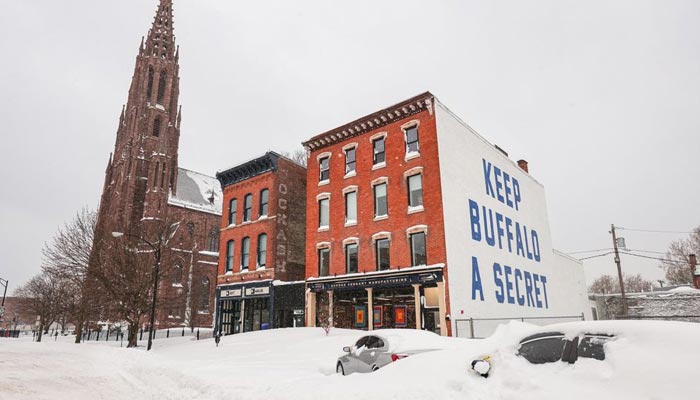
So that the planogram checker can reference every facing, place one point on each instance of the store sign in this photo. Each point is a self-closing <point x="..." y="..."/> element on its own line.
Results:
<point x="257" y="291"/>
<point x="385" y="281"/>
<point x="231" y="293"/>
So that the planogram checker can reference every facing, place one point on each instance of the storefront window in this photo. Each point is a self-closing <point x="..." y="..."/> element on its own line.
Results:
<point x="351" y="258"/>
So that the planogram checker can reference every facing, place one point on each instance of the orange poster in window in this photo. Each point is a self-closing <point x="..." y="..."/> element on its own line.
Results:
<point x="400" y="316"/>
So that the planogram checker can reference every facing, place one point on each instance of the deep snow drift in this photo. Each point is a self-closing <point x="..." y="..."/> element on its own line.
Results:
<point x="649" y="360"/>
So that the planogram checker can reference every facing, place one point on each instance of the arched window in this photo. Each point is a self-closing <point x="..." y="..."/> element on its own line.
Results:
<point x="262" y="250"/>
<point x="204" y="295"/>
<point x="177" y="275"/>
<point x="229" y="255"/>
<point x="245" y="253"/>
<point x="155" y="176"/>
<point x="156" y="126"/>
<point x="162" y="80"/>
<point x="214" y="239"/>
<point x="149" y="87"/>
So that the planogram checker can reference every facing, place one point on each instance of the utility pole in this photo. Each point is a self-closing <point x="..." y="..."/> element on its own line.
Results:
<point x="619" y="270"/>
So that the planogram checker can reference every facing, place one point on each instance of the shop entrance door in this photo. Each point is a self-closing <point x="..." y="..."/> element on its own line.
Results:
<point x="230" y="316"/>
<point x="432" y="320"/>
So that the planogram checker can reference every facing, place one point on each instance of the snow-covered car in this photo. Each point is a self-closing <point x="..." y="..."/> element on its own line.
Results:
<point x="382" y="347"/>
<point x="593" y="341"/>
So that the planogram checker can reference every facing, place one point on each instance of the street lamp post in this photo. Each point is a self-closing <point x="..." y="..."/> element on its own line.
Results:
<point x="3" y="282"/>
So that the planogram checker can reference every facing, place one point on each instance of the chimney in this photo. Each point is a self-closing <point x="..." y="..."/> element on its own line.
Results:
<point x="523" y="165"/>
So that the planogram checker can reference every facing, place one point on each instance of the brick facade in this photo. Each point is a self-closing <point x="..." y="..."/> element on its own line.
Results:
<point x="401" y="220"/>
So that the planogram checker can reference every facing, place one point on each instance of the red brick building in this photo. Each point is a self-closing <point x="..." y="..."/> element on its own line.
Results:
<point x="261" y="268"/>
<point x="144" y="183"/>
<point x="375" y="231"/>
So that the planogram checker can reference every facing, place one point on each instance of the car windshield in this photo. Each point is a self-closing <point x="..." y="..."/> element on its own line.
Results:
<point x="375" y="343"/>
<point x="542" y="348"/>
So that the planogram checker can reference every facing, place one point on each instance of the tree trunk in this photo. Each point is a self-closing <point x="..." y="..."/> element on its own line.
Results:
<point x="78" y="329"/>
<point x="133" y="334"/>
<point x="41" y="331"/>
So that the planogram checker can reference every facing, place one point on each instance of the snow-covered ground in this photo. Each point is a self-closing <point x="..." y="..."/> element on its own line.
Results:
<point x="649" y="360"/>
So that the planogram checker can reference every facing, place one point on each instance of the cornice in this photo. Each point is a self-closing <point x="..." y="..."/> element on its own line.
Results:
<point x="373" y="121"/>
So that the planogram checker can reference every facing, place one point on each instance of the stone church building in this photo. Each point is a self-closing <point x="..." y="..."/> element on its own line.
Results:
<point x="144" y="183"/>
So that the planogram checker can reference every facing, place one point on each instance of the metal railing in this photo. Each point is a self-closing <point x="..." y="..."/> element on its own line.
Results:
<point x="142" y="334"/>
<point x="476" y="328"/>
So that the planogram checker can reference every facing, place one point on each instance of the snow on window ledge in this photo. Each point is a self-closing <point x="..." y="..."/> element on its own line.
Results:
<point x="350" y="174"/>
<point x="416" y="209"/>
<point x="203" y="312"/>
<point x="411" y="155"/>
<point x="262" y="217"/>
<point x="178" y="285"/>
<point x="324" y="182"/>
<point x="351" y="222"/>
<point x="323" y="228"/>
<point x="381" y="217"/>
<point x="379" y="165"/>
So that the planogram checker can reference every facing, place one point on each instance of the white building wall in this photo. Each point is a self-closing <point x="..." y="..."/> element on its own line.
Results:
<point x="488" y="279"/>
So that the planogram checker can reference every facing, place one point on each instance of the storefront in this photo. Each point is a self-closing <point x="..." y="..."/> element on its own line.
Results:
<point x="260" y="305"/>
<point x="412" y="298"/>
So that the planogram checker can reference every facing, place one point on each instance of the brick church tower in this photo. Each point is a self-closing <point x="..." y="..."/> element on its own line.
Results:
<point x="143" y="182"/>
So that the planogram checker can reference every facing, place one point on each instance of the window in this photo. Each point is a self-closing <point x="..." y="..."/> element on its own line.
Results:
<point x="323" y="213"/>
<point x="415" y="191"/>
<point x="213" y="241"/>
<point x="245" y="253"/>
<point x="190" y="228"/>
<point x="412" y="140"/>
<point x="264" y="198"/>
<point x="325" y="168"/>
<point x="350" y="162"/>
<point x="177" y="275"/>
<point x="350" y="207"/>
<point x="162" y="80"/>
<point x="156" y="126"/>
<point x="543" y="349"/>
<point x="324" y="261"/>
<point x="155" y="176"/>
<point x="379" y="155"/>
<point x="232" y="209"/>
<point x="247" y="207"/>
<point x="592" y="347"/>
<point x="374" y="343"/>
<point x="149" y="88"/>
<point x="380" y="201"/>
<point x="418" y="253"/>
<point x="351" y="258"/>
<point x="262" y="250"/>
<point x="382" y="247"/>
<point x="204" y="295"/>
<point x="229" y="256"/>
<point x="162" y="176"/>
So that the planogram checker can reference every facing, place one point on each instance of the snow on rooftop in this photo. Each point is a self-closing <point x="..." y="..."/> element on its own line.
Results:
<point x="195" y="190"/>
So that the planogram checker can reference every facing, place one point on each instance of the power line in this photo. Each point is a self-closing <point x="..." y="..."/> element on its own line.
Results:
<point x="589" y="251"/>
<point x="598" y="255"/>
<point x="656" y="258"/>
<point x="648" y="251"/>
<point x="651" y="230"/>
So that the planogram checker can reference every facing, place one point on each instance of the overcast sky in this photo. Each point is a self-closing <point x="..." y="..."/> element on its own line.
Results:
<point x="601" y="97"/>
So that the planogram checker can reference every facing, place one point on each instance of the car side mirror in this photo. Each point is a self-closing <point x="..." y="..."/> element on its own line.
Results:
<point x="482" y="367"/>
<point x="346" y="349"/>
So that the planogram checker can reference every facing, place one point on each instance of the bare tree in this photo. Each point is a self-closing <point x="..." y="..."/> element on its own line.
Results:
<point x="127" y="267"/>
<point x="46" y="296"/>
<point x="299" y="156"/>
<point x="676" y="263"/>
<point x="67" y="256"/>
<point x="608" y="284"/>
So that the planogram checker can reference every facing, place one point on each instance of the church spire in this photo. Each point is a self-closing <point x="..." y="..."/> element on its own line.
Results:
<point x="161" y="40"/>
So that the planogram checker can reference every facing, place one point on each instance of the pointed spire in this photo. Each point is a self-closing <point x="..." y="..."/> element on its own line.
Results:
<point x="122" y="117"/>
<point x="161" y="40"/>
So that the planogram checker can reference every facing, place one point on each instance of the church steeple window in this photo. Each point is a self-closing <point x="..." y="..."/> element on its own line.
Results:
<point x="161" y="87"/>
<point x="156" y="126"/>
<point x="149" y="89"/>
<point x="155" y="176"/>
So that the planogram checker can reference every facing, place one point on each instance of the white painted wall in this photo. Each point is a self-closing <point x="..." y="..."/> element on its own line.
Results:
<point x="462" y="156"/>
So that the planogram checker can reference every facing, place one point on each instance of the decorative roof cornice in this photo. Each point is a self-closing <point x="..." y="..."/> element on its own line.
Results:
<point x="373" y="121"/>
<point x="248" y="169"/>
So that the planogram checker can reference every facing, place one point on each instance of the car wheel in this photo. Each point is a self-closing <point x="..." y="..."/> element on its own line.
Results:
<point x="374" y="368"/>
<point x="339" y="369"/>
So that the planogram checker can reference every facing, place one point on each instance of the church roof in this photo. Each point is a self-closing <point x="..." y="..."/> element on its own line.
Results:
<point x="197" y="192"/>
